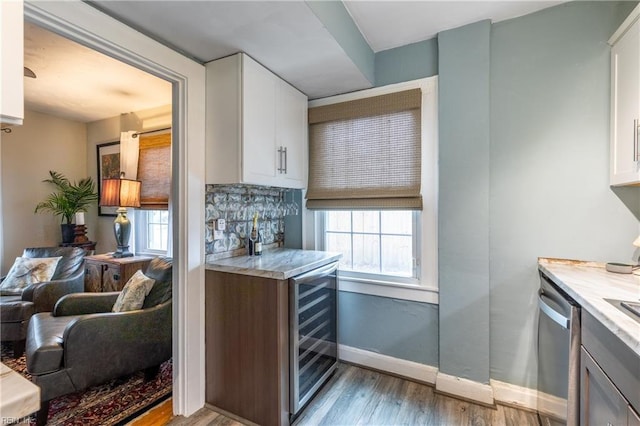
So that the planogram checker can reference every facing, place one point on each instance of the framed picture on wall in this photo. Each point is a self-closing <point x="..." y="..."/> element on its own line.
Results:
<point x="108" y="155"/>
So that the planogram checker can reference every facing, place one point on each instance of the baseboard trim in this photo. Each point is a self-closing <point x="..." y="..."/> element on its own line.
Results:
<point x="495" y="392"/>
<point x="550" y="405"/>
<point x="514" y="396"/>
<point x="465" y="389"/>
<point x="411" y="370"/>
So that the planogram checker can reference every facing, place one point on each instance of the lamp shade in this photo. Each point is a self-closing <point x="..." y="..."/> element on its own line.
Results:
<point x="637" y="242"/>
<point x="120" y="193"/>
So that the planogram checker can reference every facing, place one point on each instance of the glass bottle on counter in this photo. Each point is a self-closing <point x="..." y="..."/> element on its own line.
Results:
<point x="257" y="247"/>
<point x="253" y="237"/>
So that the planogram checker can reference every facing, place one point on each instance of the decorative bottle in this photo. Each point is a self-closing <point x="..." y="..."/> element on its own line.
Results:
<point x="257" y="250"/>
<point x="253" y="237"/>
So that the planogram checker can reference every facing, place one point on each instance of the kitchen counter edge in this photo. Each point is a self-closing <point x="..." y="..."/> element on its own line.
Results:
<point x="278" y="263"/>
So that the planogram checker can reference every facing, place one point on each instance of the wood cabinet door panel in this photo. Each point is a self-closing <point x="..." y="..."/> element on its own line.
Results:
<point x="247" y="346"/>
<point x="111" y="278"/>
<point x="92" y="277"/>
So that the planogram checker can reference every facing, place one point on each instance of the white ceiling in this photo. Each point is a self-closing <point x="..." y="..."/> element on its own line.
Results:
<point x="389" y="24"/>
<point x="80" y="84"/>
<point x="285" y="36"/>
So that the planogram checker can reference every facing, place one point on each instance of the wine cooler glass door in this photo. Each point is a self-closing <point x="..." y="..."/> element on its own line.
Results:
<point x="313" y="332"/>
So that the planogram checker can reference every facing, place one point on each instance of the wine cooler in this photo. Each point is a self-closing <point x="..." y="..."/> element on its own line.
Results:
<point x="313" y="322"/>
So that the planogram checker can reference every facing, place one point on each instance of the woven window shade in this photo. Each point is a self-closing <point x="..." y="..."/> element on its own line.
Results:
<point x="154" y="170"/>
<point x="365" y="154"/>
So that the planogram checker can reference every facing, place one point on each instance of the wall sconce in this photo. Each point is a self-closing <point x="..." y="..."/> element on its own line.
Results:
<point x="121" y="193"/>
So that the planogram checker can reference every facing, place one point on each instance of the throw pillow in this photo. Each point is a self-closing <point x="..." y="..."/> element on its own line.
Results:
<point x="29" y="270"/>
<point x="133" y="293"/>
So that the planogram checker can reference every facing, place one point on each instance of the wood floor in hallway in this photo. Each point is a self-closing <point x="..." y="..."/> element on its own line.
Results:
<point x="358" y="396"/>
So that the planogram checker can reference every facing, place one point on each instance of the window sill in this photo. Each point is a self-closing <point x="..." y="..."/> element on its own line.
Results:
<point x="416" y="293"/>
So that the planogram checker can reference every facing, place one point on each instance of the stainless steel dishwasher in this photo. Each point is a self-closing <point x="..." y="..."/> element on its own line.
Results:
<point x="558" y="356"/>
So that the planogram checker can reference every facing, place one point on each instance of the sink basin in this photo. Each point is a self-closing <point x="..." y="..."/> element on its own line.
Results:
<point x="634" y="307"/>
<point x="630" y="308"/>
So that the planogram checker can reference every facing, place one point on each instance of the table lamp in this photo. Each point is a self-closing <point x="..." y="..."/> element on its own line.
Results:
<point x="121" y="193"/>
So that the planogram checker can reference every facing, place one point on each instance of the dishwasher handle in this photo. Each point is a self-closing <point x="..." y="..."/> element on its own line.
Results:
<point x="554" y="315"/>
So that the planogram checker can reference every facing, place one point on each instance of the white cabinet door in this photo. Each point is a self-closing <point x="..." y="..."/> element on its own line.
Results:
<point x="11" y="52"/>
<point x="258" y="124"/>
<point x="291" y="125"/>
<point x="252" y="116"/>
<point x="625" y="108"/>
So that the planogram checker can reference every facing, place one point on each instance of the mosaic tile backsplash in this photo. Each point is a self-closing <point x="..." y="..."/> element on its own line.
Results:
<point x="237" y="205"/>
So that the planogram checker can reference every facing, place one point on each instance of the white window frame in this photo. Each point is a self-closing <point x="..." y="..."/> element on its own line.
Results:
<point x="425" y="288"/>
<point x="371" y="276"/>
<point x="140" y="226"/>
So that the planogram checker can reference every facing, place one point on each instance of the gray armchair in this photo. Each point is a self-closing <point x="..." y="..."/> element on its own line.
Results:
<point x="17" y="308"/>
<point x="82" y="343"/>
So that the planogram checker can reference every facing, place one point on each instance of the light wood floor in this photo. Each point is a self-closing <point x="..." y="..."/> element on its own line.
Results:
<point x="357" y="396"/>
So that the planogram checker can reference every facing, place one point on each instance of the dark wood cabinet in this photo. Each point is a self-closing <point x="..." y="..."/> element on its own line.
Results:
<point x="247" y="346"/>
<point x="104" y="273"/>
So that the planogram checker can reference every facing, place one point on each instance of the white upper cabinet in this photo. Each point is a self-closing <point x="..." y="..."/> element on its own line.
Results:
<point x="625" y="102"/>
<point x="256" y="130"/>
<point x="12" y="54"/>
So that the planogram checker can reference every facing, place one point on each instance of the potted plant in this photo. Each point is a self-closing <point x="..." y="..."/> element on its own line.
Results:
<point x="68" y="199"/>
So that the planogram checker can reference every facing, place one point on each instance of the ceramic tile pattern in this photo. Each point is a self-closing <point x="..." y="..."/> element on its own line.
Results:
<point x="237" y="205"/>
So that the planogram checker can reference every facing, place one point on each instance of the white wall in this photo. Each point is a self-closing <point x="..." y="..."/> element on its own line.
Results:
<point x="42" y="143"/>
<point x="108" y="130"/>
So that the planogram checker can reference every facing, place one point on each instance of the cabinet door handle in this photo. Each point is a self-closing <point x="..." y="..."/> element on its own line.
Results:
<point x="279" y="159"/>
<point x="281" y="162"/>
<point x="285" y="160"/>
<point x="635" y="140"/>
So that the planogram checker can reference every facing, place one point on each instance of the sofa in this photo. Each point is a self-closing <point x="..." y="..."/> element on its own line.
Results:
<point x="18" y="305"/>
<point x="83" y="343"/>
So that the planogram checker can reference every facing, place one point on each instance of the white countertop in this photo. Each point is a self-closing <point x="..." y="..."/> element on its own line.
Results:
<point x="589" y="283"/>
<point x="277" y="263"/>
<point x="18" y="396"/>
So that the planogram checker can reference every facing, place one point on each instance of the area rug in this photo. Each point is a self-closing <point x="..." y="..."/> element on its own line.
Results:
<point x="115" y="402"/>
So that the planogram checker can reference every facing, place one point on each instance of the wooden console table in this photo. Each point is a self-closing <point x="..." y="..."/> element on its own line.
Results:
<point x="103" y="272"/>
<point x="18" y="396"/>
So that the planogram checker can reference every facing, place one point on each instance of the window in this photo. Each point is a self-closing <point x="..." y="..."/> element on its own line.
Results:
<point x="152" y="231"/>
<point x="154" y="171"/>
<point x="374" y="242"/>
<point x="388" y="237"/>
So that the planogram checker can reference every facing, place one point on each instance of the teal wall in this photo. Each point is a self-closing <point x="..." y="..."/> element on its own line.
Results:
<point x="397" y="328"/>
<point x="410" y="62"/>
<point x="550" y="192"/>
<point x="463" y="205"/>
<point x="523" y="173"/>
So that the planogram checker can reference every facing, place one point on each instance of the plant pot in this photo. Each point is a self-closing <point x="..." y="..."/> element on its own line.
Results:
<point x="68" y="232"/>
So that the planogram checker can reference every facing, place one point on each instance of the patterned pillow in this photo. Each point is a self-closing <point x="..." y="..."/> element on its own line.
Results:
<point x="29" y="270"/>
<point x="133" y="293"/>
